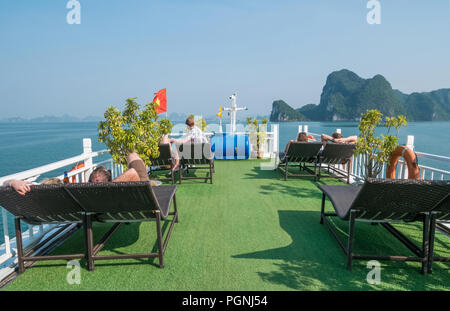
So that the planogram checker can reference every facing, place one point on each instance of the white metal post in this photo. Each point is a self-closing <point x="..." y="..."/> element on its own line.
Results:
<point x="275" y="138"/>
<point x="410" y="145"/>
<point x="410" y="142"/>
<point x="300" y="128"/>
<point x="305" y="129"/>
<point x="6" y="233"/>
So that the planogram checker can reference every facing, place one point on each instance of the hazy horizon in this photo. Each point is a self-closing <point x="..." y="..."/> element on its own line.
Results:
<point x="204" y="51"/>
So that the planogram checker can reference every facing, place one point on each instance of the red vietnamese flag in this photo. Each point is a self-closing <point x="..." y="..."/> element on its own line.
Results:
<point x="160" y="101"/>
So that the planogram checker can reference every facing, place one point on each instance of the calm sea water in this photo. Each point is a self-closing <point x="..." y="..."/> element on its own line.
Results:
<point x="26" y="146"/>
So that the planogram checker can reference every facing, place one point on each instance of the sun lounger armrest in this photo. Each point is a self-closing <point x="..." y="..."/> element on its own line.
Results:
<point x="164" y="195"/>
<point x="341" y="197"/>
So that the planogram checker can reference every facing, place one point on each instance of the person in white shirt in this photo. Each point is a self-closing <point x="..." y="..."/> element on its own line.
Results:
<point x="194" y="135"/>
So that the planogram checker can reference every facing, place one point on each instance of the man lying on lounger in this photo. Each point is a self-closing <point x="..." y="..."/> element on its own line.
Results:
<point x="137" y="171"/>
<point x="338" y="138"/>
<point x="302" y="137"/>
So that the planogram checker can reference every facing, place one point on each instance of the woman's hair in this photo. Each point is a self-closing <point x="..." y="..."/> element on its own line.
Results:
<point x="51" y="181"/>
<point x="190" y="122"/>
<point x="101" y="172"/>
<point x="337" y="135"/>
<point x="302" y="137"/>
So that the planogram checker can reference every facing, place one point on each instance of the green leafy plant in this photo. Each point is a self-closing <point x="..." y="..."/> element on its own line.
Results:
<point x="132" y="130"/>
<point x="258" y="133"/>
<point x="377" y="150"/>
<point x="165" y="126"/>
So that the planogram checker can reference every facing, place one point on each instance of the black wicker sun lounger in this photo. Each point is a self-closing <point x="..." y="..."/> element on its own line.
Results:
<point x="196" y="156"/>
<point x="165" y="161"/>
<point x="298" y="154"/>
<point x="385" y="201"/>
<point x="89" y="202"/>
<point x="334" y="153"/>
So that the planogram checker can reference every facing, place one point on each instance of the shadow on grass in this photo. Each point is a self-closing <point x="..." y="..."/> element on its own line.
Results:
<point x="276" y="174"/>
<point x="125" y="236"/>
<point x="315" y="261"/>
<point x="310" y="192"/>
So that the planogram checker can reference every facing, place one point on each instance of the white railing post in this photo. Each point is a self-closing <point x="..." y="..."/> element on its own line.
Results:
<point x="305" y="129"/>
<point x="275" y="138"/>
<point x="300" y="128"/>
<point x="6" y="233"/>
<point x="410" y="142"/>
<point x="410" y="145"/>
<point x="87" y="148"/>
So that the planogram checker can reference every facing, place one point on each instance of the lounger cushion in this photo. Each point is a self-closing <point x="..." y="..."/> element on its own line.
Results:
<point x="341" y="197"/>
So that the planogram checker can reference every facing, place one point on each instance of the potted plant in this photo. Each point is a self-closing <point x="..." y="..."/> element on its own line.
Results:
<point x="377" y="149"/>
<point x="258" y="134"/>
<point x="133" y="130"/>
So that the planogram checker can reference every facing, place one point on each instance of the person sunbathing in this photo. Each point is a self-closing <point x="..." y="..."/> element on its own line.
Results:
<point x="167" y="140"/>
<point x="338" y="138"/>
<point x="137" y="171"/>
<point x="302" y="137"/>
<point x="22" y="186"/>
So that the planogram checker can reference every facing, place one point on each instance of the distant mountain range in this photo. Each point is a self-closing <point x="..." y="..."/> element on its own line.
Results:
<point x="346" y="96"/>
<point x="175" y="117"/>
<point x="51" y="119"/>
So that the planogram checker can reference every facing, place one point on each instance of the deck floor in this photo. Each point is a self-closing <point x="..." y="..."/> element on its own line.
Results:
<point x="250" y="230"/>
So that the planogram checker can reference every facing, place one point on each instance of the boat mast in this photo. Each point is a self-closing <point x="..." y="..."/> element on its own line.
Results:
<point x="234" y="108"/>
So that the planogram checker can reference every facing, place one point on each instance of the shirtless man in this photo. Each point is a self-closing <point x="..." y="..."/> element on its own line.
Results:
<point x="338" y="138"/>
<point x="137" y="171"/>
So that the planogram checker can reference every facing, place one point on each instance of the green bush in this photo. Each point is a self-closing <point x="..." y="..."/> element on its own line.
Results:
<point x="132" y="130"/>
<point x="377" y="149"/>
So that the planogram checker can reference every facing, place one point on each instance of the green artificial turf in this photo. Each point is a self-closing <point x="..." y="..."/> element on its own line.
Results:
<point x="250" y="230"/>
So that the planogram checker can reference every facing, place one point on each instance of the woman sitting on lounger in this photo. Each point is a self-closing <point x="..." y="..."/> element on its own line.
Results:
<point x="302" y="137"/>
<point x="338" y="138"/>
<point x="167" y="140"/>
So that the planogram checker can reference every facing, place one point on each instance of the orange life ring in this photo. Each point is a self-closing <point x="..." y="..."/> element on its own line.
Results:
<point x="310" y="137"/>
<point x="76" y="167"/>
<point x="410" y="159"/>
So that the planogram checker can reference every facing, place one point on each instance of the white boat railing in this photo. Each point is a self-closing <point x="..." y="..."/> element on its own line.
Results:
<point x="35" y="234"/>
<point x="358" y="163"/>
<point x="269" y="147"/>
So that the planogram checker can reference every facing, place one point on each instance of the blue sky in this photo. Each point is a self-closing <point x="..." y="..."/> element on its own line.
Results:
<point x="202" y="51"/>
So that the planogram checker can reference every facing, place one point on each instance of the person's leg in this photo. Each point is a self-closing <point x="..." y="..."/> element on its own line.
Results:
<point x="136" y="163"/>
<point x="129" y="175"/>
<point x="175" y="157"/>
<point x="132" y="157"/>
